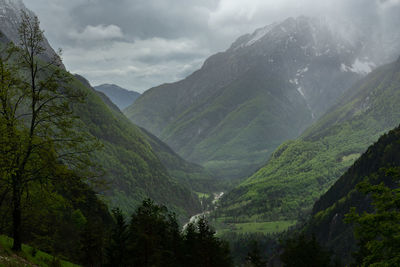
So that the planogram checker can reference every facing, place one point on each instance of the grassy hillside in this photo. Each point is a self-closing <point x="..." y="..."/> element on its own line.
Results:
<point x="299" y="171"/>
<point x="28" y="257"/>
<point x="328" y="212"/>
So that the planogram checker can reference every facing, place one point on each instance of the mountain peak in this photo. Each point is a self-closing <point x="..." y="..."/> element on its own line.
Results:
<point x="14" y="4"/>
<point x="118" y="95"/>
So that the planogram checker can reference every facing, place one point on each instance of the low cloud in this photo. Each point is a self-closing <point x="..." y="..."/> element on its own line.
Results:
<point x="97" y="33"/>
<point x="144" y="43"/>
<point x="137" y="65"/>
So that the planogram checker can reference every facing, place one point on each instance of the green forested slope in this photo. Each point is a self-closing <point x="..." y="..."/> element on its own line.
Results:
<point x="191" y="175"/>
<point x="133" y="170"/>
<point x="299" y="171"/>
<point x="328" y="212"/>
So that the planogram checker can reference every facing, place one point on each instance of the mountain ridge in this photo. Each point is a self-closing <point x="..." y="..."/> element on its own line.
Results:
<point x="118" y="95"/>
<point x="10" y="18"/>
<point x="289" y="75"/>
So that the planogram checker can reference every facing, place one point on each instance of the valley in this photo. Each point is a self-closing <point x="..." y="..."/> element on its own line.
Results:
<point x="281" y="150"/>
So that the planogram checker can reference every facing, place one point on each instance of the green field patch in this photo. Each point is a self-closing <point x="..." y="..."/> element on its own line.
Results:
<point x="256" y="227"/>
<point x="202" y="195"/>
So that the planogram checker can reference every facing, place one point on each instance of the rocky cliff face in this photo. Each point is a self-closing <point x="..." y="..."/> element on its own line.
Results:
<point x="10" y="19"/>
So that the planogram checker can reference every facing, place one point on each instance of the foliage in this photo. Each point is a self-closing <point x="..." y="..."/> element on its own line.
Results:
<point x="153" y="238"/>
<point x="38" y="129"/>
<point x="116" y="250"/>
<point x="254" y="258"/>
<point x="92" y="244"/>
<point x="329" y="211"/>
<point x="243" y="245"/>
<point x="378" y="232"/>
<point x="225" y="225"/>
<point x="302" y="251"/>
<point x="28" y="256"/>
<point x="55" y="218"/>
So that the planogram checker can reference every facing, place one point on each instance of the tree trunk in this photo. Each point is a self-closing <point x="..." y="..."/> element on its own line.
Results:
<point x="16" y="199"/>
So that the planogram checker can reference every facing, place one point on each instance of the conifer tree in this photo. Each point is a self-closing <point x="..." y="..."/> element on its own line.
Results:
<point x="253" y="257"/>
<point x="116" y="251"/>
<point x="378" y="232"/>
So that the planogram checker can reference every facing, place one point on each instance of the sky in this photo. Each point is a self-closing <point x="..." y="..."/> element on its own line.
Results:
<point x="139" y="44"/>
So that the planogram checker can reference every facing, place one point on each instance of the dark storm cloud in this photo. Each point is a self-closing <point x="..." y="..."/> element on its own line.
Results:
<point x="142" y="43"/>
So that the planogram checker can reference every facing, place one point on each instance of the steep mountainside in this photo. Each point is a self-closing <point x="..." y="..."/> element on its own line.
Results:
<point x="10" y="19"/>
<point x="328" y="212"/>
<point x="300" y="171"/>
<point x="119" y="96"/>
<point x="132" y="166"/>
<point x="266" y="88"/>
<point x="193" y="176"/>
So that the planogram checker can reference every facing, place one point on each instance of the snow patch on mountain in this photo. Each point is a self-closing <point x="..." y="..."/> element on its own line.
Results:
<point x="294" y="81"/>
<point x="300" y="90"/>
<point x="362" y="67"/>
<point x="300" y="72"/>
<point x="359" y="66"/>
<point x="259" y="34"/>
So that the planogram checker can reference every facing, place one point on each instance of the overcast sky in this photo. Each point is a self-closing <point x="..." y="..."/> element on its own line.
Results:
<point x="138" y="44"/>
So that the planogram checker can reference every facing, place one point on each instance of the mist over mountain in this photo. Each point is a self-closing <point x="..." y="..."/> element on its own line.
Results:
<point x="266" y="88"/>
<point x="300" y="170"/>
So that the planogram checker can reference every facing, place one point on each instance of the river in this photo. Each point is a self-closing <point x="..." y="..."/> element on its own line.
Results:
<point x="195" y="218"/>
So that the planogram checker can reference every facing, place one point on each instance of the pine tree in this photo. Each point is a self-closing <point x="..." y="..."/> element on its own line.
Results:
<point x="116" y="251"/>
<point x="92" y="244"/>
<point x="378" y="232"/>
<point x="253" y="257"/>
<point x="302" y="251"/>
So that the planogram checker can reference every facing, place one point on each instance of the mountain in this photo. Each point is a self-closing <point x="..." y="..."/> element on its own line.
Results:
<point x="230" y="115"/>
<point x="193" y="176"/>
<point x="133" y="170"/>
<point x="10" y="19"/>
<point x="299" y="171"/>
<point x="328" y="212"/>
<point x="119" y="96"/>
